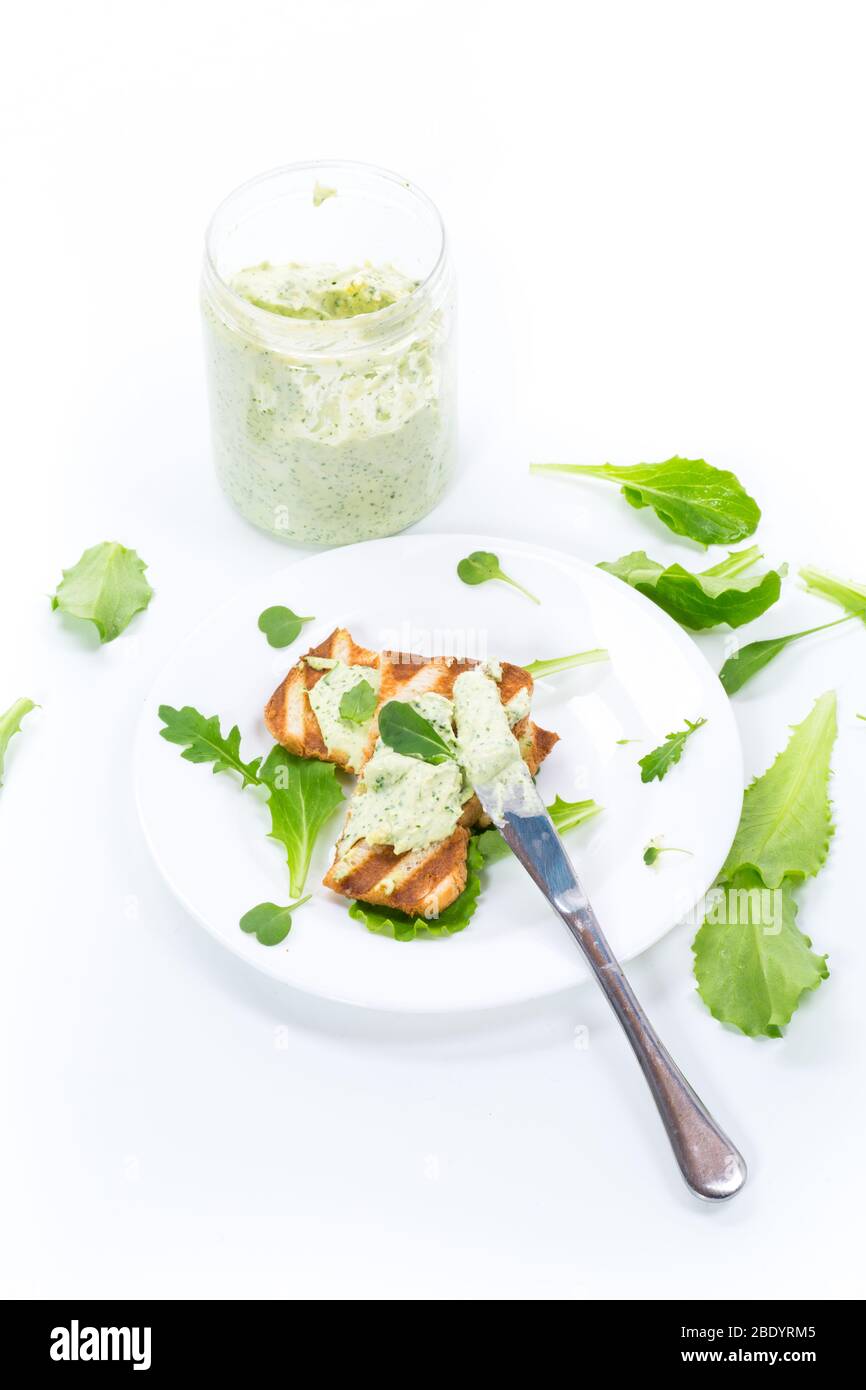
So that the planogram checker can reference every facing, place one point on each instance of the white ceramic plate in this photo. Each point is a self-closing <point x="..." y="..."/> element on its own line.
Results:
<point x="210" y="839"/>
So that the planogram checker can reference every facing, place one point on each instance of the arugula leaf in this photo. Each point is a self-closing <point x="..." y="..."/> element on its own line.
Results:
<point x="270" y="923"/>
<point x="750" y="972"/>
<point x="850" y="596"/>
<point x="408" y="732"/>
<point x="690" y="496"/>
<point x="786" y="825"/>
<point x="301" y="793"/>
<point x="482" y="565"/>
<point x="717" y="595"/>
<point x="652" y="852"/>
<point x="302" y="796"/>
<point x="662" y="759"/>
<point x="107" y="588"/>
<point x="564" y="814"/>
<point x="203" y="741"/>
<point x="280" y="625"/>
<point x="358" y="704"/>
<point x="386" y="921"/>
<point x="10" y="723"/>
<point x="751" y="659"/>
<point x="565" y="663"/>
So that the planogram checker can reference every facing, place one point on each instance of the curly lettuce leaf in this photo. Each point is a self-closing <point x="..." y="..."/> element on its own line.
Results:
<point x="786" y="824"/>
<point x="721" y="594"/>
<point x="386" y="921"/>
<point x="752" y="963"/>
<point x="690" y="496"/>
<point x="10" y="723"/>
<point x="107" y="588"/>
<point x="303" y="794"/>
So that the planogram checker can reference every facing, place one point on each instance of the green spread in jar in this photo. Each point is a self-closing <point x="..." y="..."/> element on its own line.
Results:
<point x="335" y="422"/>
<point x="321" y="292"/>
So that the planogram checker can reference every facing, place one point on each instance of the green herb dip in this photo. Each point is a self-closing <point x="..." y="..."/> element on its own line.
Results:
<point x="338" y="734"/>
<point x="411" y="804"/>
<point x="332" y="398"/>
<point x="487" y="748"/>
<point x="405" y="802"/>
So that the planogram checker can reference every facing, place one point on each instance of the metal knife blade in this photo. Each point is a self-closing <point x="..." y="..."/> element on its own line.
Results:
<point x="712" y="1166"/>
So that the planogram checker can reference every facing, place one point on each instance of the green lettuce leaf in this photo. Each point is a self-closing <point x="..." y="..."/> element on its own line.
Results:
<point x="786" y="825"/>
<point x="358" y="703"/>
<point x="409" y="733"/>
<point x="386" y="921"/>
<point x="107" y="588"/>
<point x="850" y="596"/>
<point x="754" y="966"/>
<point x="690" y="496"/>
<point x="303" y="794"/>
<point x="721" y="594"/>
<point x="10" y="723"/>
<point x="749" y="660"/>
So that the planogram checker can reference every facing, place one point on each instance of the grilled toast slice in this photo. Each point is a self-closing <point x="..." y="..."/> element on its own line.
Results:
<point x="289" y="715"/>
<point x="424" y="882"/>
<point x="420" y="882"/>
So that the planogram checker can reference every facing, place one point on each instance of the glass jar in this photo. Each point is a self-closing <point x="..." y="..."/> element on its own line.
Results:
<point x="328" y="300"/>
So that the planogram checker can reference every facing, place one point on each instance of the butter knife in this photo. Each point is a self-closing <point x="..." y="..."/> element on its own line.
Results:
<point x="712" y="1167"/>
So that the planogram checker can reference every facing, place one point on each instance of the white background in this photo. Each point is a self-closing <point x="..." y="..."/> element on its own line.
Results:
<point x="656" y="213"/>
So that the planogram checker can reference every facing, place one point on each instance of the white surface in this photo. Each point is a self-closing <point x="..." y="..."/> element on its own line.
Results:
<point x="657" y="218"/>
<point x="211" y="846"/>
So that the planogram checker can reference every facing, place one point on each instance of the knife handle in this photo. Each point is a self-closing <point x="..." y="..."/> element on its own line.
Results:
<point x="711" y="1165"/>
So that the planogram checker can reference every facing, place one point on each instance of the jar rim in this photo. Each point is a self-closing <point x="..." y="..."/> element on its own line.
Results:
<point x="317" y="334"/>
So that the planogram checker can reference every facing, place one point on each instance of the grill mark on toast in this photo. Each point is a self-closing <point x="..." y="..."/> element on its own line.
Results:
<point x="414" y="882"/>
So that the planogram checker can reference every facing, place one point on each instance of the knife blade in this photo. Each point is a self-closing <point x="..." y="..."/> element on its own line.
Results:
<point x="711" y="1165"/>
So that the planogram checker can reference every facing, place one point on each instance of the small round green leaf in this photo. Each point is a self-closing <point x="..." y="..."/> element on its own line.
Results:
<point x="478" y="567"/>
<point x="280" y="625"/>
<point x="269" y="923"/>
